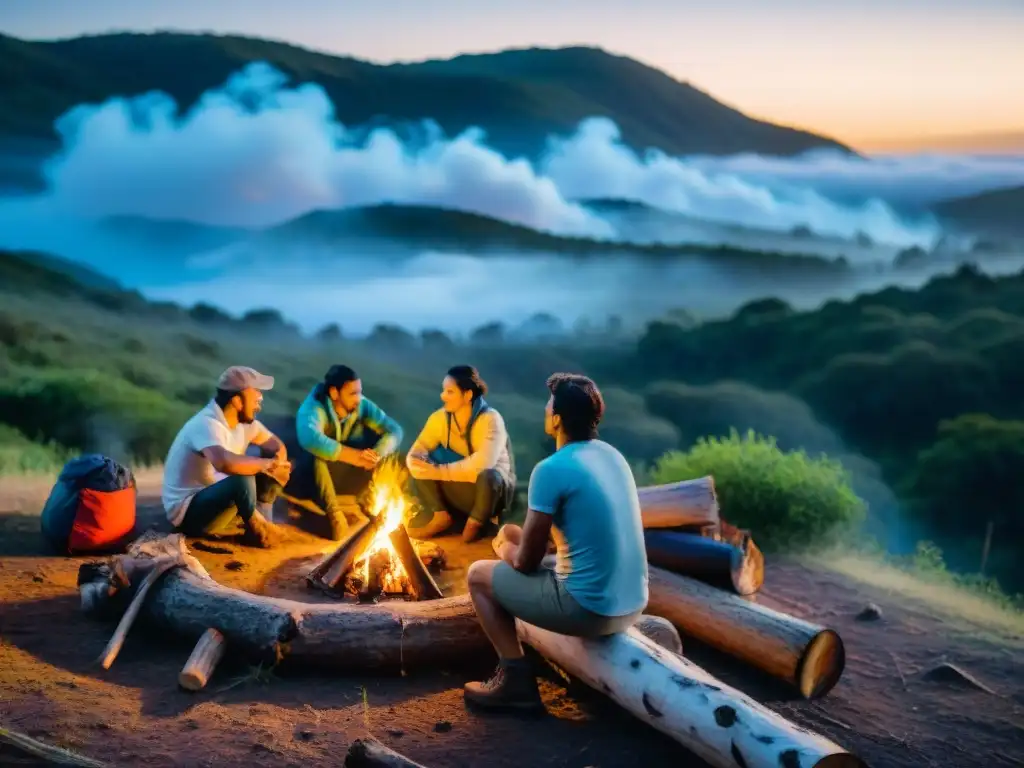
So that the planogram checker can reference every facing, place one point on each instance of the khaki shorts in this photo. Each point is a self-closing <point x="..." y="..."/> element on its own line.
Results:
<point x="540" y="599"/>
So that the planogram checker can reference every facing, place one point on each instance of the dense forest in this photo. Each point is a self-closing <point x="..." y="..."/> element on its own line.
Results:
<point x="912" y="395"/>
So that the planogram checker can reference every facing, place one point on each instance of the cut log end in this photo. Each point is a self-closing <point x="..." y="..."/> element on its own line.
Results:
<point x="660" y="631"/>
<point x="204" y="659"/>
<point x="822" y="665"/>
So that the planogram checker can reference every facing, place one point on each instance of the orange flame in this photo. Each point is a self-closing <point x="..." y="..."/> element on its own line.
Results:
<point x="391" y="507"/>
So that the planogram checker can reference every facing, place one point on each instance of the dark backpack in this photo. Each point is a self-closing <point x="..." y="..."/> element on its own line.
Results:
<point x="91" y="507"/>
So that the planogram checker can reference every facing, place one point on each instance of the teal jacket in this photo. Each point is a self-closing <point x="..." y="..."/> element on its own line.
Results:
<point x="322" y="433"/>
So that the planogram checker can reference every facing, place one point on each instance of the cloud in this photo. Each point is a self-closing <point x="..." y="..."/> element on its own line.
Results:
<point x="257" y="153"/>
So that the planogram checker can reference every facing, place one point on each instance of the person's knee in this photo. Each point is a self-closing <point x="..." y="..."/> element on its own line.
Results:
<point x="492" y="478"/>
<point x="480" y="576"/>
<point x="244" y="486"/>
<point x="510" y="532"/>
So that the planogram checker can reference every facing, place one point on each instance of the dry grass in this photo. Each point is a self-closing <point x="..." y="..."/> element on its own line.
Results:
<point x="27" y="492"/>
<point x="937" y="590"/>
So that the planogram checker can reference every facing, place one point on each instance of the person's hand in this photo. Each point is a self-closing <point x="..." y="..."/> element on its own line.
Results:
<point x="419" y="467"/>
<point x="280" y="470"/>
<point x="369" y="458"/>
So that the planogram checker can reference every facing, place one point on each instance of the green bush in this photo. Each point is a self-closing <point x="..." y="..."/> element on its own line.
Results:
<point x="787" y="499"/>
<point x="91" y="411"/>
<point x="19" y="455"/>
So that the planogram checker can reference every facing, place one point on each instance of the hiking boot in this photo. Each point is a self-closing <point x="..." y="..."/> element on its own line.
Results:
<point x="439" y="523"/>
<point x="474" y="530"/>
<point x="260" y="533"/>
<point x="512" y="686"/>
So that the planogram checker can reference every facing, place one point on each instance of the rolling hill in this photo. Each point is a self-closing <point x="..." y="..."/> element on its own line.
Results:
<point x="998" y="212"/>
<point x="519" y="97"/>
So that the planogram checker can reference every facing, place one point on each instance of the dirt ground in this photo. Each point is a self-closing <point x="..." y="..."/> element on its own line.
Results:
<point x="885" y="708"/>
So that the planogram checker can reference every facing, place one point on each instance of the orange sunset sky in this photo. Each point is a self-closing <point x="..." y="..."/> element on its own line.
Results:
<point x="877" y="74"/>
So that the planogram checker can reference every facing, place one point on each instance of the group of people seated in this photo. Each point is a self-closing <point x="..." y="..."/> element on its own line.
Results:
<point x="461" y="463"/>
<point x="583" y="498"/>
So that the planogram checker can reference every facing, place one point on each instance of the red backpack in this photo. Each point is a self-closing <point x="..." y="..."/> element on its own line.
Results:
<point x="91" y="507"/>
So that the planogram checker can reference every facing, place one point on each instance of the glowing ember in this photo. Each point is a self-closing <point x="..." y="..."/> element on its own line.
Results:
<point x="390" y="507"/>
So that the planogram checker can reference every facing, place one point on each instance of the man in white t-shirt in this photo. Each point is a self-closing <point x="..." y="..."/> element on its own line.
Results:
<point x="209" y="481"/>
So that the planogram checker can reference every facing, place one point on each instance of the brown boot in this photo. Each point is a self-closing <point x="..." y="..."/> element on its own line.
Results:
<point x="512" y="686"/>
<point x="439" y="523"/>
<point x="353" y="511"/>
<point x="474" y="530"/>
<point x="260" y="533"/>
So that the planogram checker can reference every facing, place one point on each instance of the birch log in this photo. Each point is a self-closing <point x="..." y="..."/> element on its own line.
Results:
<point x="809" y="657"/>
<point x="718" y="723"/>
<point x="686" y="504"/>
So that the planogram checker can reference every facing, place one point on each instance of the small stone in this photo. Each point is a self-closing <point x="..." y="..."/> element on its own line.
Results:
<point x="442" y="726"/>
<point x="235" y="565"/>
<point x="870" y="612"/>
<point x="305" y="734"/>
<point x="954" y="675"/>
<point x="38" y="578"/>
<point x="192" y="724"/>
<point x="396" y="732"/>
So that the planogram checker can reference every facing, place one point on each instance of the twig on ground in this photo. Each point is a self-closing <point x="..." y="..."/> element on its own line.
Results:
<point x="898" y="670"/>
<point x="55" y="755"/>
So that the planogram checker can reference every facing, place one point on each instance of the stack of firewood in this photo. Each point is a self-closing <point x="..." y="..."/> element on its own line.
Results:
<point x="705" y="574"/>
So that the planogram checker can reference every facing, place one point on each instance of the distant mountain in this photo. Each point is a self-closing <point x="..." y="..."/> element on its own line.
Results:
<point x="519" y="97"/>
<point x="996" y="212"/>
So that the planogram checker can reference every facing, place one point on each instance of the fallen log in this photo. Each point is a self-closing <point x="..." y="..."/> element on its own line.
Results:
<point x="807" y="656"/>
<point x="393" y="634"/>
<point x="204" y="659"/>
<point x="717" y="563"/>
<point x="714" y="721"/>
<point x="686" y="504"/>
<point x="116" y="641"/>
<point x="370" y="753"/>
<point x="421" y="583"/>
<point x="661" y="632"/>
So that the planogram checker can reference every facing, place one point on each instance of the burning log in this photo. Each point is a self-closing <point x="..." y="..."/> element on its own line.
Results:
<point x="807" y="656"/>
<point x="370" y="753"/>
<point x="421" y="584"/>
<point x="204" y="659"/>
<point x="330" y="572"/>
<point x="718" y="563"/>
<point x="686" y="504"/>
<point x="718" y="723"/>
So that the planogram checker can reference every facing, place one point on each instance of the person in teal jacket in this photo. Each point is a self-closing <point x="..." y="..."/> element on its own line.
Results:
<point x="342" y="436"/>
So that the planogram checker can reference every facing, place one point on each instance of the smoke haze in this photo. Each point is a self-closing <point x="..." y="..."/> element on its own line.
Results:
<point x="259" y="151"/>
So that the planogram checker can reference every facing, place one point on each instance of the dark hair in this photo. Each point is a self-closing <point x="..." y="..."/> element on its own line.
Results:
<point x="224" y="396"/>
<point x="338" y="376"/>
<point x="467" y="378"/>
<point x="578" y="402"/>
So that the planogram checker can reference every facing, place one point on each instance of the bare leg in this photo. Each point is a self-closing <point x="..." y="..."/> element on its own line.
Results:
<point x="499" y="625"/>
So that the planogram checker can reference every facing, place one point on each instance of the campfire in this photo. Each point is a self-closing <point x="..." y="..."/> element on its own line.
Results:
<point x="378" y="559"/>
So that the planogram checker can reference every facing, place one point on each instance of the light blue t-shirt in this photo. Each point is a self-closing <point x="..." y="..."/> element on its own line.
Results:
<point x="589" y="489"/>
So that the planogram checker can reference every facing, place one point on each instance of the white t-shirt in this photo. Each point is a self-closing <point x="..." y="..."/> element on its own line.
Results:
<point x="187" y="471"/>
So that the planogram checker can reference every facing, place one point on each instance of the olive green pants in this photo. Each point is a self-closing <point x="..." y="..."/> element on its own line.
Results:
<point x="540" y="599"/>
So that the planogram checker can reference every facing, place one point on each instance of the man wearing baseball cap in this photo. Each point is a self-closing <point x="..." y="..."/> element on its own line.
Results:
<point x="209" y="481"/>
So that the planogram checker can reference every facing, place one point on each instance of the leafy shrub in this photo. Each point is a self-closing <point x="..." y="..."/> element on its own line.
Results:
<point x="19" y="455"/>
<point x="91" y="411"/>
<point x="787" y="500"/>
